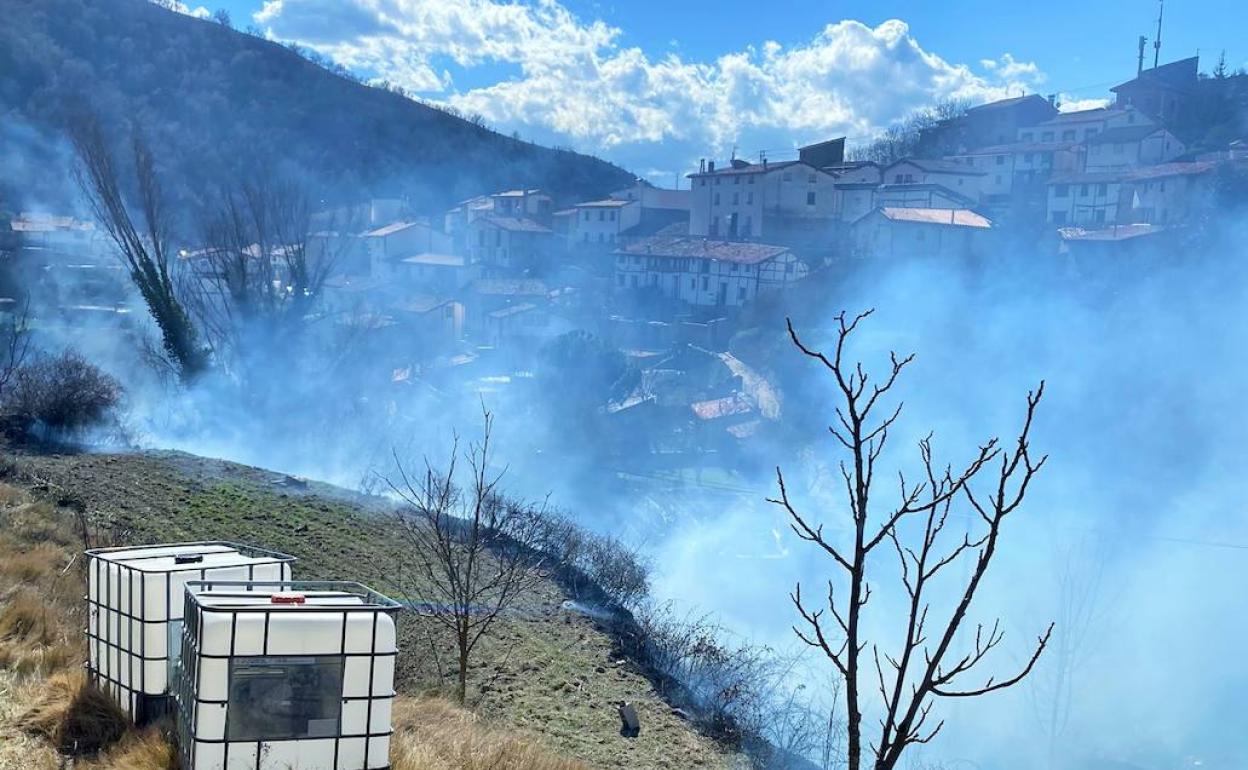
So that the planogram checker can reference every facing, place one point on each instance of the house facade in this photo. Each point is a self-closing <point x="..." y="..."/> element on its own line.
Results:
<point x="705" y="273"/>
<point x="760" y="200"/>
<point x="913" y="233"/>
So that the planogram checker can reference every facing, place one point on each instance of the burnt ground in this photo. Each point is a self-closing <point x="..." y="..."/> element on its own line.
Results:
<point x="546" y="672"/>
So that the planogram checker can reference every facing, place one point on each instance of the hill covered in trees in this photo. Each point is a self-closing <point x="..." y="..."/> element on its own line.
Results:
<point x="211" y="100"/>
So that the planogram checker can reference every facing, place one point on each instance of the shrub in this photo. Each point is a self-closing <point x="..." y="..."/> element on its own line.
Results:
<point x="65" y="394"/>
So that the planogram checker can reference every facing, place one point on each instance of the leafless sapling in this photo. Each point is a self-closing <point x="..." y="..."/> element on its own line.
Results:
<point x="471" y="549"/>
<point x="15" y="345"/>
<point x="903" y="684"/>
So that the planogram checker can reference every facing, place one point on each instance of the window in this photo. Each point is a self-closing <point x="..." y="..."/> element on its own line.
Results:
<point x="1061" y="191"/>
<point x="736" y="198"/>
<point x="736" y="179"/>
<point x="612" y="216"/>
<point x="749" y="198"/>
<point x="602" y="216"/>
<point x="284" y="698"/>
<point x="897" y="179"/>
<point x="751" y="179"/>
<point x="1026" y="136"/>
<point x="1027" y="158"/>
<point x="1000" y="160"/>
<point x="704" y="181"/>
<point x="812" y="178"/>
<point x="602" y="237"/>
<point x="810" y="198"/>
<point x="749" y="228"/>
<point x="1083" y="191"/>
<point x="1099" y="215"/>
<point x="1161" y="186"/>
<point x="718" y="180"/>
<point x="587" y="215"/>
<point x="1059" y="217"/>
<point x="1117" y="148"/>
<point x="619" y="279"/>
<point x="1046" y="136"/>
<point x="1068" y="135"/>
<point x="741" y="294"/>
<point x="998" y="179"/>
<point x="1102" y="189"/>
<point x="788" y="177"/>
<point x="716" y="199"/>
<point x="706" y="283"/>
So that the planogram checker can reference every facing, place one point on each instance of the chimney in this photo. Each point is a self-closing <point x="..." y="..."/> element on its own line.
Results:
<point x="1139" y="65"/>
<point x="710" y="167"/>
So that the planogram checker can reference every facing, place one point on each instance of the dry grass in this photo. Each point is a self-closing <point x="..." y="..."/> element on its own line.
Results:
<point x="147" y="749"/>
<point x="432" y="734"/>
<point x="76" y="717"/>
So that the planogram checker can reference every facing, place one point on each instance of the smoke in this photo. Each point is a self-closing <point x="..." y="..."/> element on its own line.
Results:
<point x="1134" y="538"/>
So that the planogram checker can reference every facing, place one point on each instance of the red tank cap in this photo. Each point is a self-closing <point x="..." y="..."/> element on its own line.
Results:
<point x="288" y="598"/>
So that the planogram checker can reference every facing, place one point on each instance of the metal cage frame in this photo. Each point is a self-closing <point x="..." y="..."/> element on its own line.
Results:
<point x="143" y="706"/>
<point x="187" y="687"/>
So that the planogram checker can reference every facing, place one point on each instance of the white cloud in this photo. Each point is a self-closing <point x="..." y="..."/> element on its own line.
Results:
<point x="199" y="12"/>
<point x="1068" y="103"/>
<point x="568" y="80"/>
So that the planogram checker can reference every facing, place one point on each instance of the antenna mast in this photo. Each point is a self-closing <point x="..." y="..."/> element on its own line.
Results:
<point x="1161" y="10"/>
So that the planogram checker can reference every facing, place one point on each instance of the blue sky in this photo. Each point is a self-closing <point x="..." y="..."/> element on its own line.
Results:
<point x="656" y="85"/>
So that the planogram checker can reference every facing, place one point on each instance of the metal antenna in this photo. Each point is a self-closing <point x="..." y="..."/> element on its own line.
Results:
<point x="1161" y="11"/>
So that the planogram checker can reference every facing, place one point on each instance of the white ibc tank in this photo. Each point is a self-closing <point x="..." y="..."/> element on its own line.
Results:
<point x="296" y="674"/>
<point x="135" y="604"/>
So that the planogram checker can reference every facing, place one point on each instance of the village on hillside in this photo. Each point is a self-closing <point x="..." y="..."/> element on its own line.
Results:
<point x="664" y="276"/>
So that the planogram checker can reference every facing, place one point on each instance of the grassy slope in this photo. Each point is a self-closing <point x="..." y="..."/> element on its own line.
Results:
<point x="551" y="674"/>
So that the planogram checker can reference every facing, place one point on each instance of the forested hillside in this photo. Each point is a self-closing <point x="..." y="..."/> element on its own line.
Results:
<point x="211" y="100"/>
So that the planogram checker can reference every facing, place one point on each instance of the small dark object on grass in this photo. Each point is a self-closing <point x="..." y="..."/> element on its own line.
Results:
<point x="630" y="726"/>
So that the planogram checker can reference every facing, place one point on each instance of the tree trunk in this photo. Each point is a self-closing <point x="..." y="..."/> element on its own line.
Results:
<point x="461" y="686"/>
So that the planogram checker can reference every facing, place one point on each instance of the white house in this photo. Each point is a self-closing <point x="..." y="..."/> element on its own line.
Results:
<point x="1170" y="193"/>
<point x="508" y="243"/>
<point x="438" y="273"/>
<point x="1082" y="125"/>
<point x="705" y="273"/>
<point x="1086" y="198"/>
<point x="903" y="233"/>
<point x="533" y="204"/>
<point x="856" y="199"/>
<point x="604" y="221"/>
<point x="921" y="196"/>
<point x="958" y="177"/>
<point x="651" y="197"/>
<point x="760" y="200"/>
<point x="385" y="246"/>
<point x="1131" y="147"/>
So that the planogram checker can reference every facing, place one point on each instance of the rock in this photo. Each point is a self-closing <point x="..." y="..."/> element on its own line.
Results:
<point x="630" y="726"/>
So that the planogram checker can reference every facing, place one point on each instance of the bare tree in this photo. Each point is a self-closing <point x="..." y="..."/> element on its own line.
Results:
<point x="908" y="680"/>
<point x="14" y="345"/>
<point x="256" y="281"/>
<point x="473" y="551"/>
<point x="142" y="237"/>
